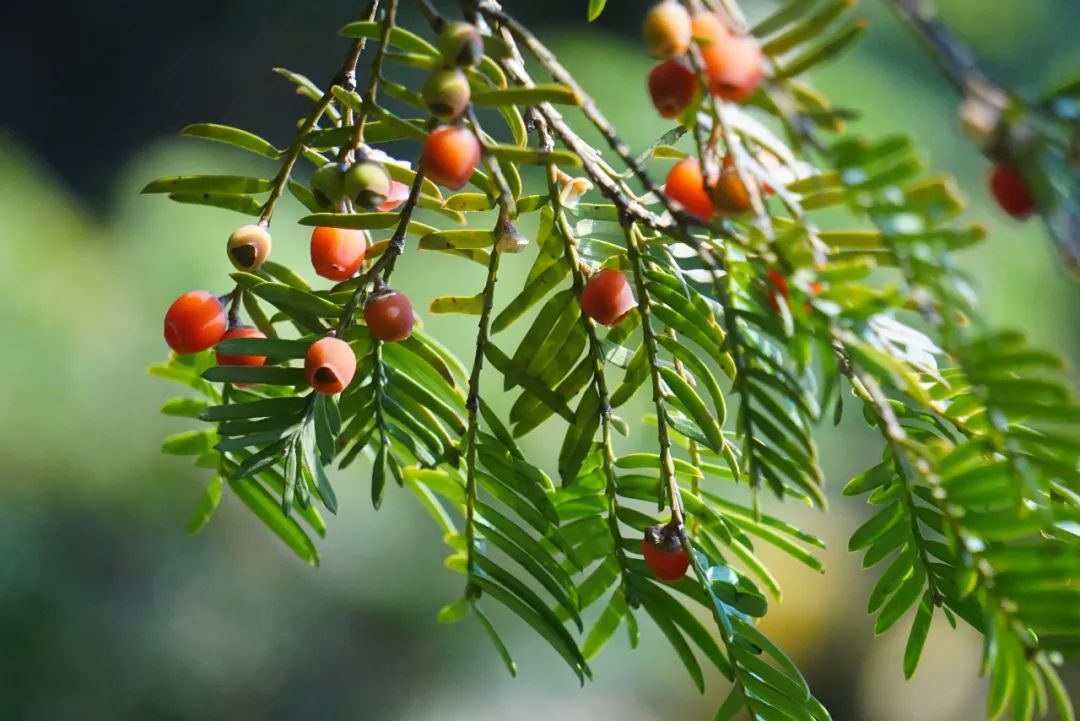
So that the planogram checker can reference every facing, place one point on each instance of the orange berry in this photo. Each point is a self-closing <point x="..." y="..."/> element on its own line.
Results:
<point x="686" y="186"/>
<point x="1011" y="192"/>
<point x="667" y="29"/>
<point x="708" y="28"/>
<point x="451" y="154"/>
<point x="249" y="247"/>
<point x="607" y="298"/>
<point x="664" y="554"/>
<point x="337" y="253"/>
<point x="241" y="331"/>
<point x="329" y="365"/>
<point x="399" y="193"/>
<point x="735" y="67"/>
<point x="195" y="321"/>
<point x="671" y="86"/>
<point x="729" y="194"/>
<point x="389" y="316"/>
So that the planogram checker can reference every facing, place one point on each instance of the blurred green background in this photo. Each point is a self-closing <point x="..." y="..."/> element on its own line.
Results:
<point x="107" y="608"/>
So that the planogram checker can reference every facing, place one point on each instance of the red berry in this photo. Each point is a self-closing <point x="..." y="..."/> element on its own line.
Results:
<point x="451" y="154"/>
<point x="389" y="316"/>
<point x="329" y="365"/>
<point x="399" y="193"/>
<point x="241" y="331"/>
<point x="1011" y="192"/>
<point x="777" y="285"/>
<point x="671" y="86"/>
<point x="667" y="29"/>
<point x="664" y="554"/>
<point x="337" y="253"/>
<point x="734" y="67"/>
<point x="607" y="298"/>
<point x="686" y="185"/>
<point x="194" y="322"/>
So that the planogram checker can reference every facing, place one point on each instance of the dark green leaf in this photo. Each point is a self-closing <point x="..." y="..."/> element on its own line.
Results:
<point x="495" y="639"/>
<point x="920" y="628"/>
<point x="695" y="407"/>
<point x="267" y="347"/>
<point x="879" y="524"/>
<point x="378" y="475"/>
<point x="909" y="591"/>
<point x="267" y="508"/>
<point x="553" y="633"/>
<point x="271" y="375"/>
<point x="679" y="644"/>
<point x="605" y="625"/>
<point x="265" y="408"/>
<point x="288" y="298"/>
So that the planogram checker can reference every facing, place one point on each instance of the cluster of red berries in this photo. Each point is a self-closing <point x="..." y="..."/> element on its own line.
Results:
<point x="732" y="65"/>
<point x="197" y="321"/>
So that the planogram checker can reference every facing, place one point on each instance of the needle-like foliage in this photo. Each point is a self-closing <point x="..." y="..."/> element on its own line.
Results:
<point x="748" y="332"/>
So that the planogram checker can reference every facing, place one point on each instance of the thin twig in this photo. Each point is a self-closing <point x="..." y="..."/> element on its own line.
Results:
<point x="385" y="263"/>
<point x="431" y="14"/>
<point x="589" y="109"/>
<point x="596" y="352"/>
<point x="505" y="199"/>
<point x="667" y="463"/>
<point x="953" y="55"/>
<point x="296" y="148"/>
<point x="370" y="96"/>
<point x="235" y="298"/>
<point x="870" y="392"/>
<point x="472" y="405"/>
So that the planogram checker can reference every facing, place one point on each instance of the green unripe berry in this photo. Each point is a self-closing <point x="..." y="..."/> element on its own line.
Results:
<point x="328" y="184"/>
<point x="461" y="44"/>
<point x="367" y="184"/>
<point x="446" y="93"/>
